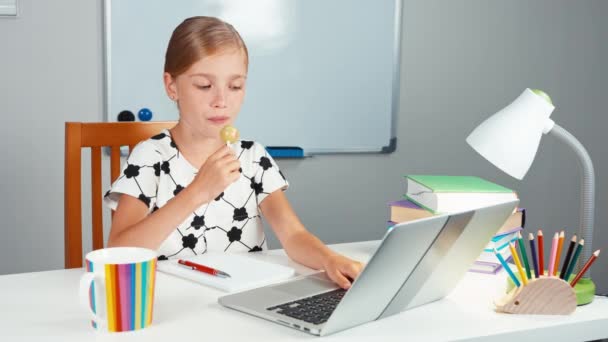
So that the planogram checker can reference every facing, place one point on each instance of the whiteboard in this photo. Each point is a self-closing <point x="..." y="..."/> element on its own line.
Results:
<point x="323" y="74"/>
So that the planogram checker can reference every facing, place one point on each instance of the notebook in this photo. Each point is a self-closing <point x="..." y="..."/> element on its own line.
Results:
<point x="246" y="272"/>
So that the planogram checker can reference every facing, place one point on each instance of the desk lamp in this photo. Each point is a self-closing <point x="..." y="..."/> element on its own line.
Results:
<point x="509" y="139"/>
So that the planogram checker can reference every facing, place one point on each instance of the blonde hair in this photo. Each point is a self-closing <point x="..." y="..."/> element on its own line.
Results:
<point x="199" y="37"/>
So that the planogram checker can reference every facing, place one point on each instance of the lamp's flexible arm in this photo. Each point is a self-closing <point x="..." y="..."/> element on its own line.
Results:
<point x="587" y="192"/>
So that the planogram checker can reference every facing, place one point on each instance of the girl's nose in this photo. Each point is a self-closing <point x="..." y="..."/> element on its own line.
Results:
<point x="219" y="100"/>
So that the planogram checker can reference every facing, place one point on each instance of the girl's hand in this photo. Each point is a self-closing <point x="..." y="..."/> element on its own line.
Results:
<point x="219" y="171"/>
<point x="342" y="270"/>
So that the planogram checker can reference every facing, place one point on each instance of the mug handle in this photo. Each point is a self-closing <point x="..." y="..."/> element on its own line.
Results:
<point x="86" y="281"/>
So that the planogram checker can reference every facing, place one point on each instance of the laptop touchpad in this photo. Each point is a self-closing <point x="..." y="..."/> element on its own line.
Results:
<point x="305" y="287"/>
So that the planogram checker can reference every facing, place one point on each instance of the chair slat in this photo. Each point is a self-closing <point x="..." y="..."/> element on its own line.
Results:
<point x="114" y="165"/>
<point x="96" y="197"/>
<point x="114" y="162"/>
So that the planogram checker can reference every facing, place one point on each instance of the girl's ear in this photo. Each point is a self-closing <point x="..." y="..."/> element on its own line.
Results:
<point x="170" y="86"/>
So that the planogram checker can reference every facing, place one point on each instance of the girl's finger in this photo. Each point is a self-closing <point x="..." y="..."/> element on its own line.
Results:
<point x="339" y="279"/>
<point x="351" y="269"/>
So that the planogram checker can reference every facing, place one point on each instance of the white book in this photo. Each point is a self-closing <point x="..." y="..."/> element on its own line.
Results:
<point x="501" y="243"/>
<point x="448" y="194"/>
<point x="245" y="272"/>
<point x="505" y="252"/>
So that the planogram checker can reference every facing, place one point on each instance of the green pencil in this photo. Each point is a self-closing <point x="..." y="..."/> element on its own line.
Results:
<point x="524" y="256"/>
<point x="574" y="259"/>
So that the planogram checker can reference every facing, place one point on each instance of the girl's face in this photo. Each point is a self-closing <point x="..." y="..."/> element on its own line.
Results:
<point x="210" y="94"/>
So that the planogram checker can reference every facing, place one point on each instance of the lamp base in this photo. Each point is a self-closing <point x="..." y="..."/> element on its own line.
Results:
<point x="585" y="291"/>
<point x="584" y="288"/>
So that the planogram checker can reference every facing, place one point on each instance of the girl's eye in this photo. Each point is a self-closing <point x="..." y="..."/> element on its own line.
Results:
<point x="204" y="87"/>
<point x="236" y="88"/>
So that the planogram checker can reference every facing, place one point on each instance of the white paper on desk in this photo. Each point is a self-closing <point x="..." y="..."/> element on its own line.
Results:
<point x="246" y="273"/>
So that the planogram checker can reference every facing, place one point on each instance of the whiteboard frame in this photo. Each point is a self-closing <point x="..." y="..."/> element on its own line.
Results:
<point x="396" y="81"/>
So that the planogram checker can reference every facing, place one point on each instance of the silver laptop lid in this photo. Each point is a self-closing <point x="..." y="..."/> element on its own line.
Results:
<point x="416" y="263"/>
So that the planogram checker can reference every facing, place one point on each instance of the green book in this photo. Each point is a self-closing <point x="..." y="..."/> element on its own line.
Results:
<point x="457" y="183"/>
<point x="445" y="194"/>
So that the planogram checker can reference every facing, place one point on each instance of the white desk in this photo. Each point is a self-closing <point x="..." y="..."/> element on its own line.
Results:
<point x="44" y="305"/>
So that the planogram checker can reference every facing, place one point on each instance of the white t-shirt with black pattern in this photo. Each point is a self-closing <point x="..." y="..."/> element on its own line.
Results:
<point x="156" y="171"/>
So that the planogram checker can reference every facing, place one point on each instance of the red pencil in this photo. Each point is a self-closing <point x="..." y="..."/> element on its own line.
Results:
<point x="585" y="268"/>
<point x="203" y="268"/>
<point x="541" y="253"/>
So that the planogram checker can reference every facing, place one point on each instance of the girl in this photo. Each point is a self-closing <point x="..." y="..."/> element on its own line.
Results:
<point x="184" y="192"/>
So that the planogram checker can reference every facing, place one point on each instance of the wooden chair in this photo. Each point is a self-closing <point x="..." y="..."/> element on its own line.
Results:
<point x="95" y="136"/>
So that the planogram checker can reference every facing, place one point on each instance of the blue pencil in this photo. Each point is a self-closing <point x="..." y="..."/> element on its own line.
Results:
<point x="507" y="268"/>
<point x="533" y="251"/>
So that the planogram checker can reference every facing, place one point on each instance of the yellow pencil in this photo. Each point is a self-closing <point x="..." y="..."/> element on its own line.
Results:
<point x="520" y="269"/>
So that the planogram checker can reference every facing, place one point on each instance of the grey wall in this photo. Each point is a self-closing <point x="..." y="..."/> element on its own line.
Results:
<point x="50" y="73"/>
<point x="461" y="61"/>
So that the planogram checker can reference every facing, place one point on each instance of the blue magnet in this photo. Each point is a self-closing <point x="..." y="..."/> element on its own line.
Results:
<point x="144" y="114"/>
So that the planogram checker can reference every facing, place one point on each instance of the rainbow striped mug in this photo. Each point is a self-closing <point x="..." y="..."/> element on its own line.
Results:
<point x="118" y="288"/>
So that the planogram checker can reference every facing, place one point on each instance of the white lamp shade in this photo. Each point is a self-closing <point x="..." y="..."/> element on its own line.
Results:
<point x="509" y="139"/>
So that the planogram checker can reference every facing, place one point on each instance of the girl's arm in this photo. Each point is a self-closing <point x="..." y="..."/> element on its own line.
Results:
<point x="302" y="246"/>
<point x="133" y="227"/>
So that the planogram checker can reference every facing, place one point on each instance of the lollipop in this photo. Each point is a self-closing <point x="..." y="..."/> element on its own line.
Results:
<point x="229" y="134"/>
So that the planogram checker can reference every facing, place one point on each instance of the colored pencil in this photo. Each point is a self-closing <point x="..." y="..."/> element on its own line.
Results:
<point x="533" y="252"/>
<point x="507" y="268"/>
<point x="568" y="256"/>
<point x="524" y="255"/>
<point x="572" y="265"/>
<point x="541" y="253"/>
<point x="522" y="274"/>
<point x="586" y="267"/>
<point x="560" y="244"/>
<point x="553" y="253"/>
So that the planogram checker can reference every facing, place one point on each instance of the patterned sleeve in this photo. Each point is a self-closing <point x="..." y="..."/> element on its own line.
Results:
<point x="139" y="177"/>
<point x="268" y="178"/>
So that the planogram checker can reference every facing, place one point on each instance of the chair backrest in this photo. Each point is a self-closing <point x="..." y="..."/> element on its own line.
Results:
<point x="95" y="135"/>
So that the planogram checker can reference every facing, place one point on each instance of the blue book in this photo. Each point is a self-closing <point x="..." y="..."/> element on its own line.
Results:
<point x="500" y="245"/>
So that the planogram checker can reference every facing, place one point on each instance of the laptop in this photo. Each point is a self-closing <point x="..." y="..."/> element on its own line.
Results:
<point x="417" y="262"/>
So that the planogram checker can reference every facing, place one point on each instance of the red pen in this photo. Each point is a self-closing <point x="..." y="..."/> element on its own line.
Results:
<point x="203" y="268"/>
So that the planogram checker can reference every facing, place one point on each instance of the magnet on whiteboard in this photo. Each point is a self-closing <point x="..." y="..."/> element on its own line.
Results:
<point x="144" y="114"/>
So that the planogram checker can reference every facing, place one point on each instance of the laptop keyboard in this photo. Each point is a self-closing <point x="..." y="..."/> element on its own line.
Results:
<point x="315" y="309"/>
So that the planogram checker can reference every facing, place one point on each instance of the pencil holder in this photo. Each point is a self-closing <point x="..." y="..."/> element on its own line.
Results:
<point x="584" y="290"/>
<point x="542" y="296"/>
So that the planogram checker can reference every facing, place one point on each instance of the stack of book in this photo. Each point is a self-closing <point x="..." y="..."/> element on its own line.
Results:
<point x="428" y="195"/>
